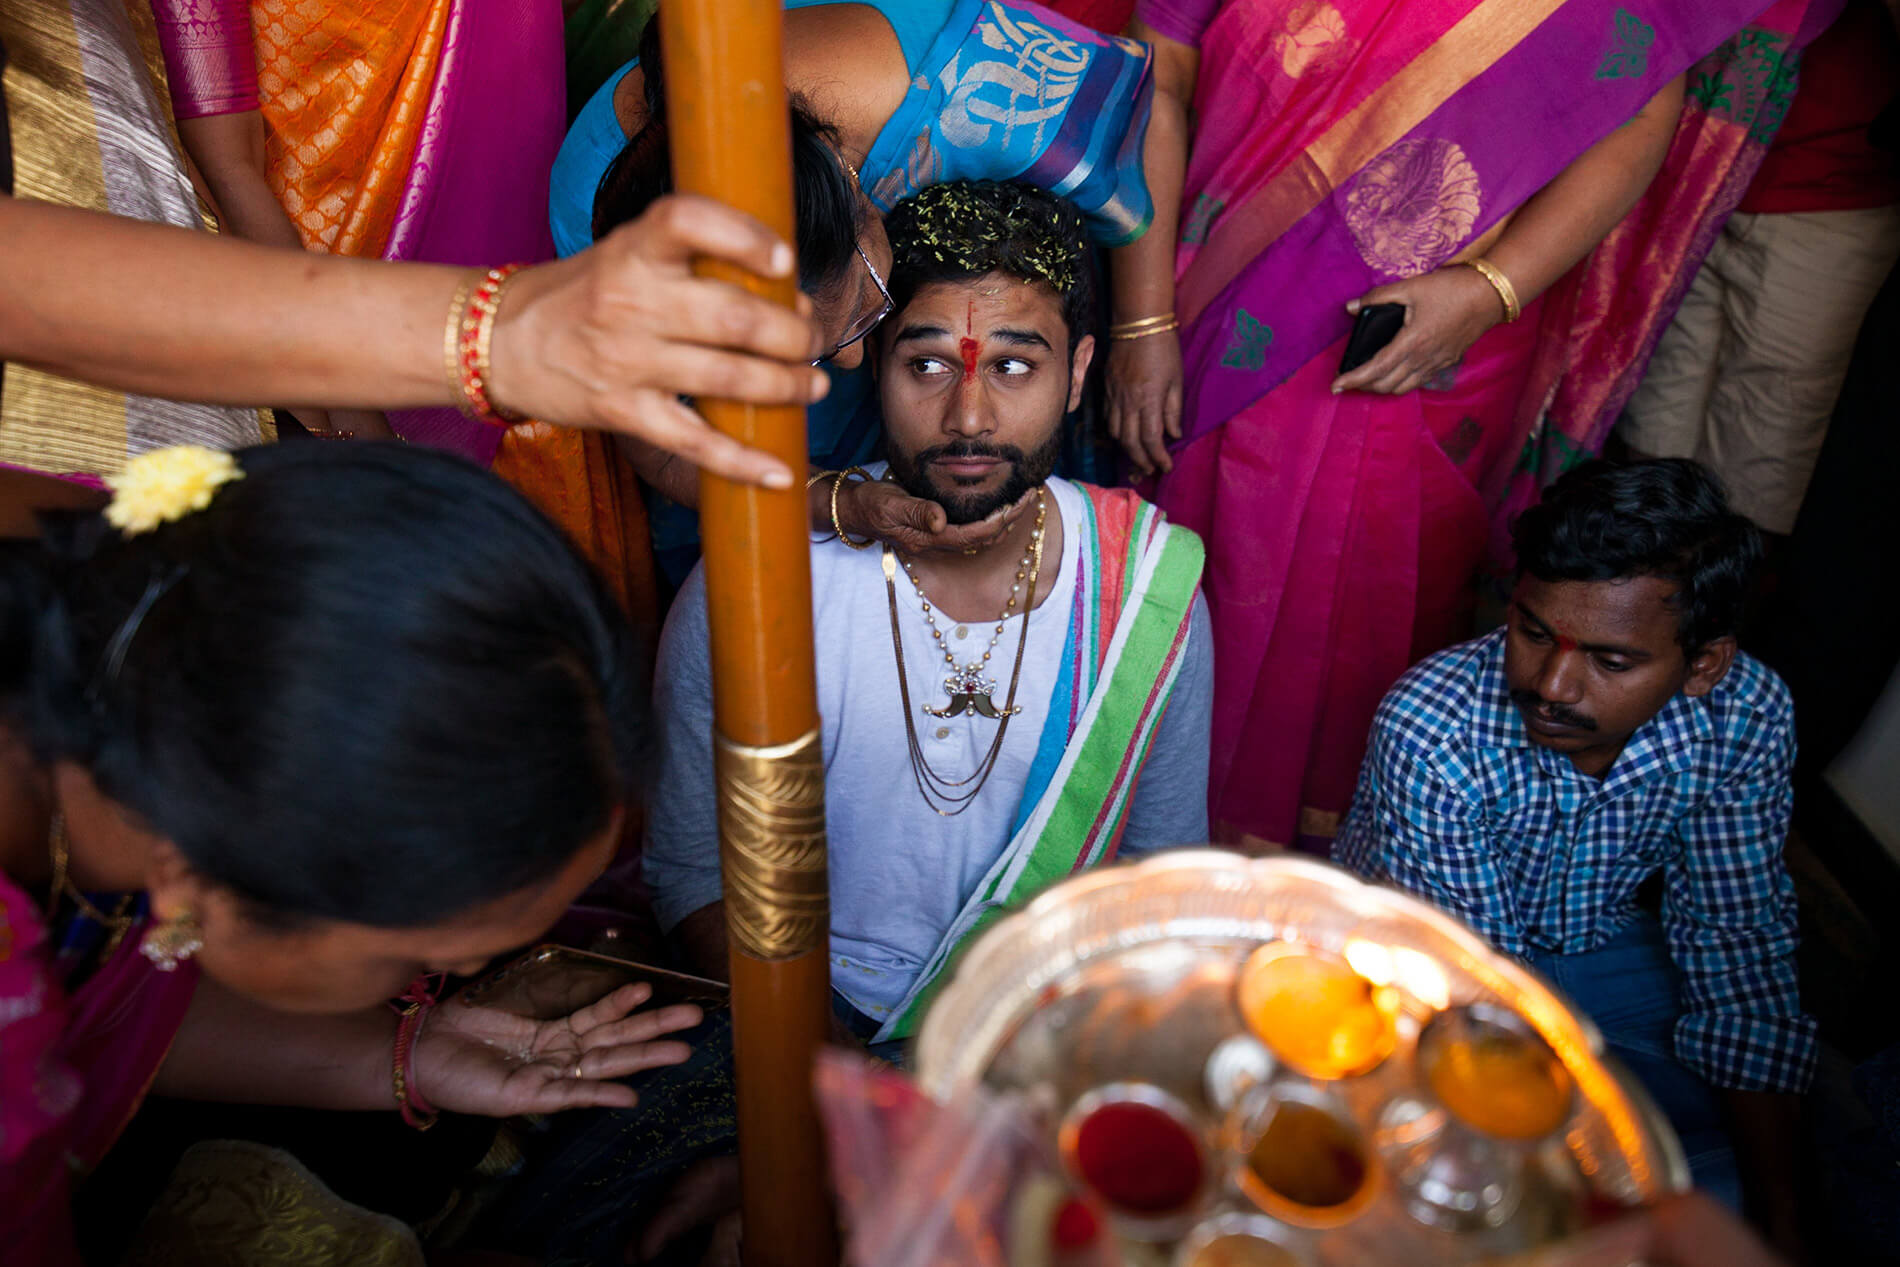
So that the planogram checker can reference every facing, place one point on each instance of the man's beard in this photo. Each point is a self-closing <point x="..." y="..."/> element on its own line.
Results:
<point x="1025" y="472"/>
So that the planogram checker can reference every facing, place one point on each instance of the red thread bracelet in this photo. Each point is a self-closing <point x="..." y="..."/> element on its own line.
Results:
<point x="414" y="1005"/>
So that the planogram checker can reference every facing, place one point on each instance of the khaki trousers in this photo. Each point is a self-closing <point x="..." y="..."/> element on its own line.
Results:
<point x="1745" y="378"/>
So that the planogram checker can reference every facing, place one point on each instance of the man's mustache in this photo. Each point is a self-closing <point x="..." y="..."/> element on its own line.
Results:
<point x="1532" y="702"/>
<point x="967" y="449"/>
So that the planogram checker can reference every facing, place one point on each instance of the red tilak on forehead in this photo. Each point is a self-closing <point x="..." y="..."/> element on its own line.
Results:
<point x="969" y="344"/>
<point x="1563" y="640"/>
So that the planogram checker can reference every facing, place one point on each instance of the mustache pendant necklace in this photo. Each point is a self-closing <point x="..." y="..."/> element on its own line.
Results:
<point x="970" y="687"/>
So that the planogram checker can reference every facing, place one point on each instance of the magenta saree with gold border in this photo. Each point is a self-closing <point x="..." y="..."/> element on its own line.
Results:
<point x="1341" y="145"/>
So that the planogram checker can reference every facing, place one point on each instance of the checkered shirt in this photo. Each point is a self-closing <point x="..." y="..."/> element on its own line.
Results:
<point x="1457" y="804"/>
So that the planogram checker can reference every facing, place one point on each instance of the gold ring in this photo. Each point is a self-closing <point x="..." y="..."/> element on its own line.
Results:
<point x="577" y="1069"/>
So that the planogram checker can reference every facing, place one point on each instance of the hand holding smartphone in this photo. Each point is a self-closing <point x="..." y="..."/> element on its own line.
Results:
<point x="1376" y="326"/>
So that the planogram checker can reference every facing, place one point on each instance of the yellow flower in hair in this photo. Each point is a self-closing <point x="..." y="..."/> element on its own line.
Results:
<point x="165" y="485"/>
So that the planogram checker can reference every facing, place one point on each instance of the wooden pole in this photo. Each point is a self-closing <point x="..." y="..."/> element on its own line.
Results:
<point x="731" y="140"/>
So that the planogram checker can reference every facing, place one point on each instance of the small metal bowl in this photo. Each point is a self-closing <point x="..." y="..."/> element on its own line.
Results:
<point x="1298" y="1155"/>
<point x="1151" y="1220"/>
<point x="1520" y="1091"/>
<point x="1315" y="1012"/>
<point x="1239" y="1239"/>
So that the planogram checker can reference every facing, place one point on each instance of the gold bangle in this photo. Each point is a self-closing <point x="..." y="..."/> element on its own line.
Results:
<point x="1122" y="336"/>
<point x="864" y="477"/>
<point x="1141" y="323"/>
<point x="1507" y="293"/>
<point x="811" y="482"/>
<point x="452" y="339"/>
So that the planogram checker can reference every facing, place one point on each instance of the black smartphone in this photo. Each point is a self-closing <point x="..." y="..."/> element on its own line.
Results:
<point x="1378" y="325"/>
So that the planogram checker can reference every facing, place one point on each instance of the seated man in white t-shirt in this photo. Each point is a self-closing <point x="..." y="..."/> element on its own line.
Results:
<point x="969" y="761"/>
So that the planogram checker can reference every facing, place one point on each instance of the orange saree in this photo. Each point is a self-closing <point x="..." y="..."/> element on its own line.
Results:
<point x="420" y="130"/>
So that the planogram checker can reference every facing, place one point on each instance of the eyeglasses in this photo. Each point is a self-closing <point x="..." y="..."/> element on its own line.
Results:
<point x="869" y="321"/>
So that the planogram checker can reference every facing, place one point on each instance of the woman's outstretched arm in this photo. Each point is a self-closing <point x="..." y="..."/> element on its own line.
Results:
<point x="608" y="339"/>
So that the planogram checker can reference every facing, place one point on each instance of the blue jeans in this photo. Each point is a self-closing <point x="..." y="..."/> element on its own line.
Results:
<point x="1628" y="987"/>
<point x="864" y="1029"/>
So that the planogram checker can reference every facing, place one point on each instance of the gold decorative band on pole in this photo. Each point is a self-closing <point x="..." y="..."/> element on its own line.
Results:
<point x="772" y="823"/>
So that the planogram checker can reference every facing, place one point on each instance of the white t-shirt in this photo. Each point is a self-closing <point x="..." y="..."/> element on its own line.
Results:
<point x="900" y="872"/>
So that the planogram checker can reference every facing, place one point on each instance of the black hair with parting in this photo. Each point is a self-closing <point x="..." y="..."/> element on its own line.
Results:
<point x="367" y="683"/>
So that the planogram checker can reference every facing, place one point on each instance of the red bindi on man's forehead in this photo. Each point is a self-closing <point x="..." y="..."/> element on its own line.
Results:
<point x="1622" y="611"/>
<point x="968" y="344"/>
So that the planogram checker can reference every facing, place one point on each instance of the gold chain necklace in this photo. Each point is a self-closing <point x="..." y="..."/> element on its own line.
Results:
<point x="932" y="786"/>
<point x="116" y="925"/>
<point x="970" y="688"/>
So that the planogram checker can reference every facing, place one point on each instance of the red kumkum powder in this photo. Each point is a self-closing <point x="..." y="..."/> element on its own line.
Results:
<point x="1076" y="1226"/>
<point x="1138" y="1158"/>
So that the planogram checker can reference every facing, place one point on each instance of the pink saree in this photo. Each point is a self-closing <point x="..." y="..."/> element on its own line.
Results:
<point x="406" y="129"/>
<point x="1344" y="144"/>
<point x="73" y="1069"/>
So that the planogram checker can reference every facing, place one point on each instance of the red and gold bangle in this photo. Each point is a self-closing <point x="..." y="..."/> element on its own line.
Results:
<point x="419" y="998"/>
<point x="452" y="342"/>
<point x="471" y="332"/>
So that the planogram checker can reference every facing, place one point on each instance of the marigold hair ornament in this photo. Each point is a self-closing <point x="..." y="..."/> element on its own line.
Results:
<point x="165" y="485"/>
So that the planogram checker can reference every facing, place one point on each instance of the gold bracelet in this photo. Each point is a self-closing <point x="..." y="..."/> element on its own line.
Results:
<point x="452" y="340"/>
<point x="472" y="329"/>
<point x="1121" y="335"/>
<point x="1507" y="293"/>
<point x="864" y="477"/>
<point x="811" y="482"/>
<point x="1141" y="323"/>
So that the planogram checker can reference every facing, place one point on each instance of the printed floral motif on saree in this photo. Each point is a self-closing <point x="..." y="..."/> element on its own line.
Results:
<point x="1749" y="81"/>
<point x="1201" y="218"/>
<point x="1248" y="351"/>
<point x="1315" y="35"/>
<point x="1413" y="206"/>
<point x="1028" y="86"/>
<point x="1628" y="57"/>
<point x="1016" y="92"/>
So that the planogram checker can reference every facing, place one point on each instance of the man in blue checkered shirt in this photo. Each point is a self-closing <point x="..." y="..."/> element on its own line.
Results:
<point x="1533" y="780"/>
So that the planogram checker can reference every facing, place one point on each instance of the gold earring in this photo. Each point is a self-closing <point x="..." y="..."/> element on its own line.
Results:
<point x="173" y="940"/>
